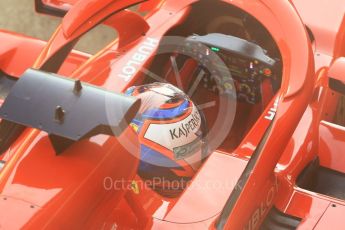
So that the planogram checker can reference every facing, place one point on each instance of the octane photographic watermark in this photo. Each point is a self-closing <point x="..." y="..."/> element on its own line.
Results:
<point x="160" y="183"/>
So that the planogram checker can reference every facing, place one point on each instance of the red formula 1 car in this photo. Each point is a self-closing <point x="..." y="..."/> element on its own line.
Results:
<point x="202" y="114"/>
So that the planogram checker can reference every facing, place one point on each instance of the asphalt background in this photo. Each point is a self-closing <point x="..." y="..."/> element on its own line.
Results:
<point x="20" y="16"/>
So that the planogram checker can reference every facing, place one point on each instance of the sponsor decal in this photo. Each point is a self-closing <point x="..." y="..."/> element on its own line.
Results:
<point x="135" y="187"/>
<point x="138" y="59"/>
<point x="272" y="112"/>
<point x="187" y="127"/>
<point x="178" y="134"/>
<point x="135" y="127"/>
<point x="187" y="150"/>
<point x="260" y="213"/>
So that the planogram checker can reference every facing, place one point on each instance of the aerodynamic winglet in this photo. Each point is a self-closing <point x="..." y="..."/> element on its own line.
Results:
<point x="65" y="108"/>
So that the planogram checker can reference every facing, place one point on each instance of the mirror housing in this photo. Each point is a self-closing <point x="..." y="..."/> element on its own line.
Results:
<point x="57" y="8"/>
<point x="336" y="76"/>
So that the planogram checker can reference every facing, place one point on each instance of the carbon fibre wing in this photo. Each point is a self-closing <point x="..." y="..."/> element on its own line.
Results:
<point x="64" y="108"/>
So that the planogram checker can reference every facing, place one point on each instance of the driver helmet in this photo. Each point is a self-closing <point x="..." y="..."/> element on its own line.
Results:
<point x="171" y="135"/>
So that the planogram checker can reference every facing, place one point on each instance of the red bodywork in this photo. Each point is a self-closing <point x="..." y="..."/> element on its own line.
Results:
<point x="76" y="189"/>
